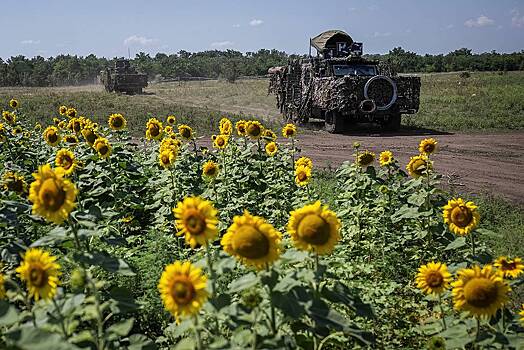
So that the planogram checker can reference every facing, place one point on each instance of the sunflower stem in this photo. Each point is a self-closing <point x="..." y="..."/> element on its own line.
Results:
<point x="62" y="323"/>
<point x="317" y="273"/>
<point x="211" y="271"/>
<point x="442" y="312"/>
<point x="473" y="243"/>
<point x="99" y="317"/>
<point x="478" y="330"/>
<point x="272" y="307"/>
<point x="197" y="333"/>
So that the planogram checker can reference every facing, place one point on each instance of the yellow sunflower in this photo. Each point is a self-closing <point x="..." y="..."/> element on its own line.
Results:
<point x="51" y="136"/>
<point x="521" y="314"/>
<point x="182" y="288"/>
<point x="62" y="110"/>
<point x="10" y="118"/>
<point x="428" y="146"/>
<point x="210" y="169"/>
<point x="418" y="166"/>
<point x="365" y="158"/>
<point x="71" y="139"/>
<point x="386" y="158"/>
<point x="66" y="159"/>
<point x="2" y="132"/>
<point x="511" y="268"/>
<point x="171" y="120"/>
<point x="185" y="131"/>
<point x="117" y="121"/>
<point x="252" y="240"/>
<point x="62" y="125"/>
<point x="40" y="271"/>
<point x="102" y="147"/>
<point x="269" y="135"/>
<point x="168" y="130"/>
<point x="154" y="129"/>
<point x="171" y="144"/>
<point x="2" y="287"/>
<point x="481" y="292"/>
<point x="220" y="141"/>
<point x="17" y="130"/>
<point x="304" y="161"/>
<point x="314" y="228"/>
<point x="241" y="127"/>
<point x="14" y="103"/>
<point x="14" y="182"/>
<point x="462" y="217"/>
<point x="166" y="158"/>
<point x="433" y="278"/>
<point x="289" y="130"/>
<point x="254" y="129"/>
<point x="271" y="149"/>
<point x="302" y="175"/>
<point x="196" y="218"/>
<point x="71" y="112"/>
<point x="89" y="135"/>
<point x="52" y="195"/>
<point x="225" y="126"/>
<point x="74" y="125"/>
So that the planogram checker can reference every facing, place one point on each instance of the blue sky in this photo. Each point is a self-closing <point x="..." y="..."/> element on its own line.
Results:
<point x="108" y="28"/>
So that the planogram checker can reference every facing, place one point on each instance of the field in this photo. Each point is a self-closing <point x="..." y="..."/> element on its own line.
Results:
<point x="312" y="244"/>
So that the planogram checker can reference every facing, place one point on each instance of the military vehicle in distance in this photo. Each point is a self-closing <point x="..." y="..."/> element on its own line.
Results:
<point x="123" y="78"/>
<point x="341" y="87"/>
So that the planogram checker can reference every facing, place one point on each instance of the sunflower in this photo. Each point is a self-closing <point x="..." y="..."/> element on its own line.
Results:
<point x="168" y="129"/>
<point x="56" y="121"/>
<point x="171" y="120"/>
<point x="220" y="141"/>
<point x="154" y="129"/>
<point x="62" y="110"/>
<point x="53" y="196"/>
<point x="269" y="135"/>
<point x="480" y="291"/>
<point x="17" y="130"/>
<point x="51" y="136"/>
<point x="302" y="175"/>
<point x="428" y="146"/>
<point x="14" y="103"/>
<point x="365" y="158"/>
<point x="10" y="118"/>
<point x="386" y="158"/>
<point x="433" y="278"/>
<point x="225" y="126"/>
<point x="2" y="287"/>
<point x="169" y="143"/>
<point x="117" y="121"/>
<point x="185" y="131"/>
<point x="37" y="127"/>
<point x="521" y="314"/>
<point x="252" y="240"/>
<point x="14" y="182"/>
<point x="102" y="147"/>
<point x="40" y="271"/>
<point x="314" y="228"/>
<point x="62" y="124"/>
<point x="89" y="135"/>
<point x="71" y="112"/>
<point x="254" y="129"/>
<point x="418" y="166"/>
<point x="210" y="169"/>
<point x="461" y="217"/>
<point x="71" y="139"/>
<point x="304" y="161"/>
<point x="182" y="288"/>
<point x="196" y="218"/>
<point x="2" y="132"/>
<point x="166" y="158"/>
<point x="271" y="148"/>
<point x="66" y="159"/>
<point x="241" y="127"/>
<point x="511" y="268"/>
<point x="289" y="130"/>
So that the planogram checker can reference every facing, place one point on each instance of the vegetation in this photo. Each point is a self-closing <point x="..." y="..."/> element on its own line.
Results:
<point x="112" y="246"/>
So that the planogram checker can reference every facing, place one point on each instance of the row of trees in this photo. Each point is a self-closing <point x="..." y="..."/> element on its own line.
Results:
<point x="74" y="70"/>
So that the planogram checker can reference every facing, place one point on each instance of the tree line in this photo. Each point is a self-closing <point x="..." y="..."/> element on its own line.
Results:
<point x="229" y="65"/>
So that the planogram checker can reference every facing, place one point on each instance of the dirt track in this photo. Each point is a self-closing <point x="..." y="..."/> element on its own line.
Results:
<point x="492" y="163"/>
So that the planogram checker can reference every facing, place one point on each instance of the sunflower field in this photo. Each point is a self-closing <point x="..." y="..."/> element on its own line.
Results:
<point x="113" y="242"/>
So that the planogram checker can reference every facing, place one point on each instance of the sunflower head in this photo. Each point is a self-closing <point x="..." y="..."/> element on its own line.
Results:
<point x="154" y="129"/>
<point x="302" y="175"/>
<point x="171" y="120"/>
<point x="304" y="161"/>
<point x="196" y="219"/>
<point x="2" y="287"/>
<point x="225" y="126"/>
<point x="289" y="130"/>
<point x="168" y="130"/>
<point x="117" y="121"/>
<point x="433" y="278"/>
<point x="74" y="125"/>
<point x="241" y="127"/>
<point x="510" y="268"/>
<point x="436" y="343"/>
<point x="40" y="271"/>
<point x="51" y="136"/>
<point x="62" y="110"/>
<point x="210" y="169"/>
<point x="10" y="118"/>
<point x="103" y="147"/>
<point x="314" y="228"/>
<point x="71" y="139"/>
<point x="220" y="141"/>
<point x="269" y="135"/>
<point x="271" y="148"/>
<point x="171" y="144"/>
<point x="462" y="217"/>
<point x="185" y="132"/>
<point x="254" y="129"/>
<point x="66" y="159"/>
<point x="521" y="314"/>
<point x="14" y="182"/>
<point x="479" y="291"/>
<point x="428" y="146"/>
<point x="71" y="112"/>
<point x="13" y="103"/>
<point x="386" y="158"/>
<point x="166" y="158"/>
<point x="252" y="241"/>
<point x="89" y="135"/>
<point x="365" y="158"/>
<point x="419" y="165"/>
<point x="17" y="130"/>
<point x="182" y="288"/>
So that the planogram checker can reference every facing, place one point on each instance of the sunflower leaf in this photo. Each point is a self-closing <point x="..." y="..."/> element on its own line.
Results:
<point x="459" y="242"/>
<point x="244" y="282"/>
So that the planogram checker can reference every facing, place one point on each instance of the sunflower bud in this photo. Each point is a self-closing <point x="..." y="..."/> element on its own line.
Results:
<point x="356" y="145"/>
<point x="383" y="189"/>
<point x="251" y="298"/>
<point x="78" y="279"/>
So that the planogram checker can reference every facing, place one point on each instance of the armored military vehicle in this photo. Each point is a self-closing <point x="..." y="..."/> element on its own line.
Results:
<point x="123" y="78"/>
<point x="341" y="87"/>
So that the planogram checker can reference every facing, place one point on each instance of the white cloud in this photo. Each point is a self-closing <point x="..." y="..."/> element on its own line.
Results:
<point x="30" y="42"/>
<point x="236" y="25"/>
<point x="517" y="20"/>
<point x="450" y="26"/>
<point x="380" y="34"/>
<point x="481" y="21"/>
<point x="140" y="40"/>
<point x="221" y="44"/>
<point x="256" y="22"/>
<point x="352" y="9"/>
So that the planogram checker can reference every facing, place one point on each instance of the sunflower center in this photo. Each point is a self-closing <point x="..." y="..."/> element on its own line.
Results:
<point x="211" y="171"/>
<point x="103" y="149"/>
<point x="165" y="158"/>
<point x="76" y="127"/>
<point x="314" y="230"/>
<point x="220" y="142"/>
<point x="461" y="216"/>
<point x="194" y="221"/>
<point x="302" y="176"/>
<point x="419" y="166"/>
<point x="250" y="243"/>
<point x="429" y="148"/>
<point x="118" y="122"/>
<point x="183" y="292"/>
<point x="253" y="130"/>
<point x="66" y="162"/>
<point x="186" y="133"/>
<point x="365" y="159"/>
<point x="37" y="276"/>
<point x="507" y="266"/>
<point x="52" y="137"/>
<point x="480" y="292"/>
<point x="289" y="132"/>
<point x="52" y="195"/>
<point x="154" y="130"/>
<point x="434" y="279"/>
<point x="90" y="137"/>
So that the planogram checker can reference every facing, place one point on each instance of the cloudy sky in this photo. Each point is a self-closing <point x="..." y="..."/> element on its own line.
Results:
<point x="108" y="28"/>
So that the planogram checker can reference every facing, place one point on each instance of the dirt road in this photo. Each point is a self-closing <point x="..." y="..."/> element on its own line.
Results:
<point x="492" y="163"/>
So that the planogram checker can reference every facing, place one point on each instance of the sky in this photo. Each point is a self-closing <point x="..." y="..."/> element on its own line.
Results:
<point x="110" y="27"/>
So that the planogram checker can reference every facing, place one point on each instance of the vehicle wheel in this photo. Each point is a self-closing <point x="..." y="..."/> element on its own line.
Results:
<point x="334" y="122"/>
<point x="393" y="123"/>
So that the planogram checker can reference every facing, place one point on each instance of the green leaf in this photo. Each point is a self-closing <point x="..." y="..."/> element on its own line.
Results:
<point x="140" y="342"/>
<point x="457" y="337"/>
<point x="8" y="314"/>
<point x="186" y="344"/>
<point x="340" y="293"/>
<point x="288" y="303"/>
<point x="244" y="282"/>
<point x="121" y="329"/>
<point x="459" y="242"/>
<point x="287" y="283"/>
<point x="122" y="301"/>
<point x="53" y="238"/>
<point x="38" y="339"/>
<point x="105" y="261"/>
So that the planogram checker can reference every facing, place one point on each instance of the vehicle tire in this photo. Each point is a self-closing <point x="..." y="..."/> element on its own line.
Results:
<point x="334" y="122"/>
<point x="393" y="123"/>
